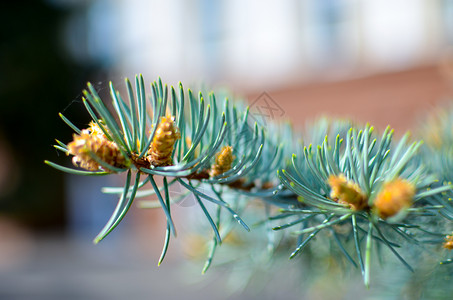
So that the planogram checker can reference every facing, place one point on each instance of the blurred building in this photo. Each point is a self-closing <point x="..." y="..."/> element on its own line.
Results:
<point x="267" y="43"/>
<point x="279" y="47"/>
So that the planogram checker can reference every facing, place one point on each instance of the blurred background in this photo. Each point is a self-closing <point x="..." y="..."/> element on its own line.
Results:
<point x="383" y="62"/>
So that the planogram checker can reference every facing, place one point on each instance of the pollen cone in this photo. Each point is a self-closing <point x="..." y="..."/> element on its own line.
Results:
<point x="93" y="140"/>
<point x="161" y="149"/>
<point x="223" y="161"/>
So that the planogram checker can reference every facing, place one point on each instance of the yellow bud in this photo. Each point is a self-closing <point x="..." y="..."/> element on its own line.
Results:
<point x="448" y="244"/>
<point x="161" y="149"/>
<point x="345" y="191"/>
<point x="394" y="196"/>
<point x="223" y="161"/>
<point x="195" y="246"/>
<point x="188" y="141"/>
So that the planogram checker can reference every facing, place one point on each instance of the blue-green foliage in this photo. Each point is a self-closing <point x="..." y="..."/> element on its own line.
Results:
<point x="287" y="169"/>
